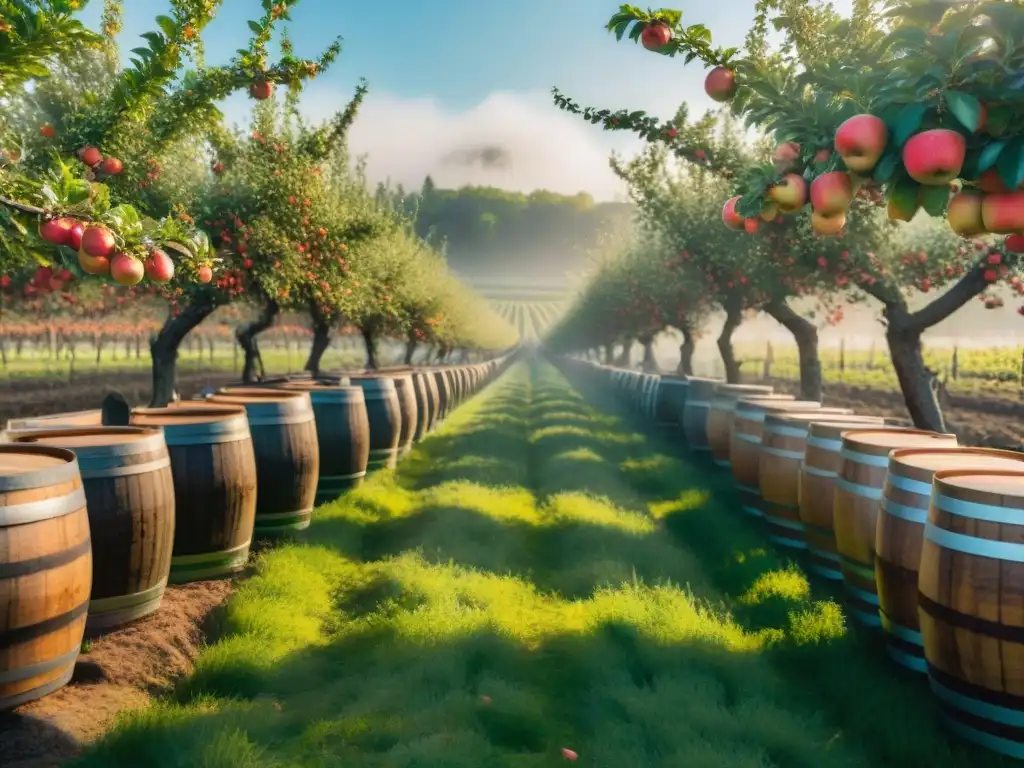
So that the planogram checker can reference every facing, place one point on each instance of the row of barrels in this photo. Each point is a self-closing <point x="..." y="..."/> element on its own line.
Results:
<point x="925" y="535"/>
<point x="96" y="520"/>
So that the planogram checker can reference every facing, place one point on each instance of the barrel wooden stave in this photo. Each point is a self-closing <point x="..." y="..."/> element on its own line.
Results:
<point x="864" y="465"/>
<point x="409" y="411"/>
<point x="45" y="571"/>
<point x="818" y="470"/>
<point x="384" y="410"/>
<point x="720" y="416"/>
<point x="421" y="383"/>
<point x="213" y="464"/>
<point x="669" y="400"/>
<point x="899" y="536"/>
<point x="284" y="439"/>
<point x="695" y="413"/>
<point x="129" y="490"/>
<point x="970" y="605"/>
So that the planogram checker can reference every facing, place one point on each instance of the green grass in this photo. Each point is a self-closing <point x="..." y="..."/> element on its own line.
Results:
<point x="536" y="576"/>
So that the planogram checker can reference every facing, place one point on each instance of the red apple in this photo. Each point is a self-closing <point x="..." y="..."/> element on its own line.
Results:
<point x="261" y="90"/>
<point x="56" y="231"/>
<point x="126" y="269"/>
<point x="936" y="157"/>
<point x="47" y="131"/>
<point x="75" y="235"/>
<point x="786" y="155"/>
<point x="98" y="242"/>
<point x="861" y="141"/>
<point x="730" y="218"/>
<point x="655" y="36"/>
<point x="93" y="265"/>
<point x="790" y="194"/>
<point x="964" y="213"/>
<point x="720" y="84"/>
<point x="831" y="193"/>
<point x="1003" y="214"/>
<point x="991" y="181"/>
<point x="751" y="226"/>
<point x="90" y="156"/>
<point x="823" y="224"/>
<point x="1014" y="243"/>
<point x="205" y="274"/>
<point x="112" y="166"/>
<point x="159" y="267"/>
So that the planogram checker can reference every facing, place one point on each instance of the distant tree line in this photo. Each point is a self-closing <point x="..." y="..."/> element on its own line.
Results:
<point x="481" y="228"/>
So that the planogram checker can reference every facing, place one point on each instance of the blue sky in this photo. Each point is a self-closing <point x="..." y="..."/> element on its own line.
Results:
<point x="450" y="74"/>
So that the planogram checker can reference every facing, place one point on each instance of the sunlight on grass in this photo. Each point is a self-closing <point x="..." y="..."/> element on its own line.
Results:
<point x="546" y="433"/>
<point x="579" y="454"/>
<point x="580" y="508"/>
<point x="687" y="501"/>
<point x="788" y="584"/>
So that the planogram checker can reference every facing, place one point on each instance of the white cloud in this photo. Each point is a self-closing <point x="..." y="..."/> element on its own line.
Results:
<point x="406" y="139"/>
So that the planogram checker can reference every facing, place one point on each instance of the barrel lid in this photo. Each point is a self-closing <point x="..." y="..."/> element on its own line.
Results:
<point x="735" y="391"/>
<point x="242" y="395"/>
<point x="966" y="458"/>
<point x="373" y="382"/>
<point x="769" y="403"/>
<point x="22" y="459"/>
<point x="86" y="437"/>
<point x="93" y="417"/>
<point x="974" y="483"/>
<point x="832" y="429"/>
<point x="882" y="441"/>
<point x="320" y="386"/>
<point x="200" y="413"/>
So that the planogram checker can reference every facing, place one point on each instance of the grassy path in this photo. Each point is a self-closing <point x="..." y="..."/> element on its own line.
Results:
<point x="537" y="577"/>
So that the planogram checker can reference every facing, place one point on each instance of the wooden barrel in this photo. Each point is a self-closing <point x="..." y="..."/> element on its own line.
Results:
<point x="284" y="438"/>
<point x="972" y="566"/>
<point x="214" y="470"/>
<point x="93" y="418"/>
<point x="433" y="407"/>
<point x="669" y="399"/>
<point x="45" y="570"/>
<point x="900" y="531"/>
<point x="444" y="396"/>
<point x="745" y="442"/>
<point x="129" y="492"/>
<point x="422" y="383"/>
<point x="720" y="415"/>
<point x="652" y="395"/>
<point x="818" y="444"/>
<point x="408" y="410"/>
<point x="384" y="410"/>
<point x="859" y="484"/>
<point x="695" y="412"/>
<point x="342" y="435"/>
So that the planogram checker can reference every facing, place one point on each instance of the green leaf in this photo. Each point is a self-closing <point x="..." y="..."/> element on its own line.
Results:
<point x="966" y="108"/>
<point x="78" y="191"/>
<point x="998" y="119"/>
<point x="886" y="167"/>
<point x="255" y="27"/>
<point x="167" y="25"/>
<point x="620" y="28"/>
<point x="636" y="31"/>
<point x="935" y="199"/>
<point x="904" y="194"/>
<point x="1011" y="163"/>
<point x="989" y="155"/>
<point x="909" y="121"/>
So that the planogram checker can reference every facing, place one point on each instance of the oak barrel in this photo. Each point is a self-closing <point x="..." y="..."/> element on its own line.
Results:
<point x="214" y="470"/>
<point x="342" y="435"/>
<point x="45" y="570"/>
<point x="720" y="415"/>
<point x="820" y="447"/>
<point x="970" y="605"/>
<point x="444" y="396"/>
<point x="91" y="418"/>
<point x="283" y="431"/>
<point x="129" y="490"/>
<point x="862" y="471"/>
<point x="385" y="413"/>
<point x="408" y="409"/>
<point x="669" y="400"/>
<point x="695" y="412"/>
<point x="426" y="406"/>
<point x="900" y="532"/>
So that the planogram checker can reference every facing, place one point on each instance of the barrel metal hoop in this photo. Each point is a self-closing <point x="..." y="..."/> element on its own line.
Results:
<point x="898" y="630"/>
<point x="915" y="663"/>
<point x="971" y="545"/>
<point x="147" y="444"/>
<point x="977" y="511"/>
<point x="860" y="594"/>
<point x="782" y="452"/>
<point x="225" y="431"/>
<point x="698" y="403"/>
<point x="782" y="522"/>
<point x="383" y="451"/>
<point x="816" y="472"/>
<point x="273" y="421"/>
<point x="750" y="415"/>
<point x="864" y="491"/>
<point x="206" y="557"/>
<point x="45" y="509"/>
<point x="779" y="429"/>
<point x="283" y="515"/>
<point x="331" y="478"/>
<point x="904" y="512"/>
<point x="754" y="439"/>
<point x="993" y="712"/>
<point x="19" y="635"/>
<point x="29" y="671"/>
<point x="723" y="462"/>
<point x="826" y="444"/>
<point x="866" y="572"/>
<point x="864" y="458"/>
<point x="909" y="485"/>
<point x="97" y="472"/>
<point x="832" y="557"/>
<point x="748" y="489"/>
<point x="40" y="478"/>
<point x="116" y="603"/>
<point x="996" y="744"/>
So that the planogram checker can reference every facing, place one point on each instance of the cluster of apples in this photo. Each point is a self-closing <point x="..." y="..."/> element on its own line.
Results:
<point x="720" y="84"/>
<point x="98" y="253"/>
<point x="93" y="158"/>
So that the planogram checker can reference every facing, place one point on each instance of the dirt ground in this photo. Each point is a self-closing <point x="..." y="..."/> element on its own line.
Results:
<point x="120" y="670"/>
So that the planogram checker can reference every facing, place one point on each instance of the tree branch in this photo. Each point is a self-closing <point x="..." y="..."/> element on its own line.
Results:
<point x="965" y="289"/>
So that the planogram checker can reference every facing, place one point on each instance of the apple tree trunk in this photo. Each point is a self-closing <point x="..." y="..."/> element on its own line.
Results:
<point x="733" y="320"/>
<point x="805" y="333"/>
<point x="164" y="345"/>
<point x="686" y="350"/>
<point x="625" y="357"/>
<point x="649" y="365"/>
<point x="369" y="335"/>
<point x="321" y="339"/>
<point x="246" y="337"/>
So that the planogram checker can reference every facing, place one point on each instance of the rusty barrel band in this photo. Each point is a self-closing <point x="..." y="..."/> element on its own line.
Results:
<point x="44" y="509"/>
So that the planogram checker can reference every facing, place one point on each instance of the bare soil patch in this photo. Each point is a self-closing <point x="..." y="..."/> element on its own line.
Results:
<point x="121" y="670"/>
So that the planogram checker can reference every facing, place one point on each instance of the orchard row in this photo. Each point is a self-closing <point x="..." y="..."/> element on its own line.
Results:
<point x="130" y="179"/>
<point x="901" y="126"/>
